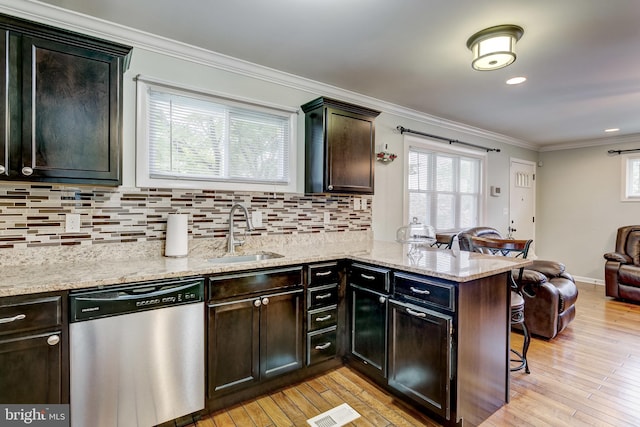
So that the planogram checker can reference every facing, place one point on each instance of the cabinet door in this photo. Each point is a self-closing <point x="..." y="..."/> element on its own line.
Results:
<point x="10" y="100"/>
<point x="420" y="355"/>
<point x="70" y="114"/>
<point x="233" y="345"/>
<point x="350" y="152"/>
<point x="31" y="369"/>
<point x="369" y="328"/>
<point x="4" y="99"/>
<point x="281" y="334"/>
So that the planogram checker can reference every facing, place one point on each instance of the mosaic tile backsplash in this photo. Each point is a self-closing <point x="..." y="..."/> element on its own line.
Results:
<point x="33" y="216"/>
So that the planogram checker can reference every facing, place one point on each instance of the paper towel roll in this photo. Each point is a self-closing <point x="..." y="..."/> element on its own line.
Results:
<point x="177" y="243"/>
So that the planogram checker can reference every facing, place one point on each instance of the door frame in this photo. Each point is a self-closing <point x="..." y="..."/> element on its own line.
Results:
<point x="511" y="186"/>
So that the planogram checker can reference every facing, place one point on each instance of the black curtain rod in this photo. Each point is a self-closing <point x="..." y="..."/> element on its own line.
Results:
<point x="450" y="141"/>
<point x="622" y="151"/>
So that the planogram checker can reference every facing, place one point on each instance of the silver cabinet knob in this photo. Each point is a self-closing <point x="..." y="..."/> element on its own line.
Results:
<point x="265" y="301"/>
<point x="382" y="300"/>
<point x="257" y="303"/>
<point x="2" y="169"/>
<point x="330" y="187"/>
<point x="53" y="339"/>
<point x="26" y="171"/>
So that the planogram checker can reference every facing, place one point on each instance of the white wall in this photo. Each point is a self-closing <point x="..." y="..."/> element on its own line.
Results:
<point x="579" y="207"/>
<point x="388" y="198"/>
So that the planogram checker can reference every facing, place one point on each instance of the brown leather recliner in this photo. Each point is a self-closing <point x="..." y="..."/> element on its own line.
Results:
<point x="550" y="292"/>
<point x="622" y="268"/>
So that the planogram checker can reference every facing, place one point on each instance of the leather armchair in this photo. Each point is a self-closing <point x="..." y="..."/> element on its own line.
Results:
<point x="549" y="291"/>
<point x="622" y="267"/>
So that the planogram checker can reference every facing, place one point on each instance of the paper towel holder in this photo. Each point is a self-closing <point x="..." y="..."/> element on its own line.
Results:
<point x="177" y="236"/>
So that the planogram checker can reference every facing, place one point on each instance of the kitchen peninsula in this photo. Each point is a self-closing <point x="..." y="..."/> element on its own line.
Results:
<point x="461" y="296"/>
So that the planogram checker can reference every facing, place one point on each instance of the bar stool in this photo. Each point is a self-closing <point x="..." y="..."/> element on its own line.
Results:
<point x="513" y="248"/>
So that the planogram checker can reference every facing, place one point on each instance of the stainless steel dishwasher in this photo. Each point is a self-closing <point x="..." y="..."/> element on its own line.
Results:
<point x="137" y="353"/>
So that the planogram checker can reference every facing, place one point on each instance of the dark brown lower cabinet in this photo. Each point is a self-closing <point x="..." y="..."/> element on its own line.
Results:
<point x="420" y="355"/>
<point x="34" y="349"/>
<point x="254" y="339"/>
<point x="31" y="369"/>
<point x="368" y="318"/>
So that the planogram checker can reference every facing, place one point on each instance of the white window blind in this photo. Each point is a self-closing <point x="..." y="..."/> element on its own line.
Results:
<point x="631" y="178"/>
<point x="189" y="139"/>
<point x="444" y="189"/>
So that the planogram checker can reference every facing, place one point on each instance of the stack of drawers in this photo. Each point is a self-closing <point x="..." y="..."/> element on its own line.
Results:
<point x="322" y="312"/>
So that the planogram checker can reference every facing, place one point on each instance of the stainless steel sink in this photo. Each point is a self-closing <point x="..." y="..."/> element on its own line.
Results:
<point x="260" y="256"/>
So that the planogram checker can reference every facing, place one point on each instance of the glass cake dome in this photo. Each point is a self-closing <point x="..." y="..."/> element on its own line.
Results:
<point x="416" y="233"/>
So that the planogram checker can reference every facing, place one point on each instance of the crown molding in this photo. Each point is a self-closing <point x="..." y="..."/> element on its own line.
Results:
<point x="73" y="21"/>
<point x="622" y="139"/>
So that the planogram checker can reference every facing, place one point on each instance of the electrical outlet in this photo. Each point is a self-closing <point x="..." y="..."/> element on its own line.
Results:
<point x="72" y="223"/>
<point x="363" y="203"/>
<point x="256" y="218"/>
<point x="327" y="218"/>
<point x="356" y="204"/>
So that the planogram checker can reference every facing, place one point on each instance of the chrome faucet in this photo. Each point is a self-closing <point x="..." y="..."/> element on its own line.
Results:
<point x="232" y="242"/>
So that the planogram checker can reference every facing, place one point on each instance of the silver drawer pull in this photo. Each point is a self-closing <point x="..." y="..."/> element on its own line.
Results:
<point x="323" y="296"/>
<point x="366" y="276"/>
<point x="420" y="291"/>
<point x="13" y="319"/>
<point x="324" y="318"/>
<point x="323" y="273"/>
<point x="323" y="346"/>
<point x="416" y="313"/>
<point x="53" y="340"/>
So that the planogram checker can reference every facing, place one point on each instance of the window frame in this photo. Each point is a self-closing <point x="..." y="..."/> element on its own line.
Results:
<point x="143" y="173"/>
<point x="626" y="160"/>
<point x="426" y="144"/>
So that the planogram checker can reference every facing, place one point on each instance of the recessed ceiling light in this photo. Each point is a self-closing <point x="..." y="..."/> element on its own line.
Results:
<point x="516" y="80"/>
<point x="612" y="130"/>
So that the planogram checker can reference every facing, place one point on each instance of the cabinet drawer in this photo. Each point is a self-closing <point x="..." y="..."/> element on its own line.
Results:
<point x="422" y="289"/>
<point x="322" y="318"/>
<point x="321" y="345"/>
<point x="322" y="296"/>
<point x="320" y="274"/>
<point x="368" y="277"/>
<point x="234" y="285"/>
<point x="25" y="314"/>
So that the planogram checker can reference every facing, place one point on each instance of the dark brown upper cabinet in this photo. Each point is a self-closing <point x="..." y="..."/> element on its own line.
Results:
<point x="339" y="147"/>
<point x="62" y="104"/>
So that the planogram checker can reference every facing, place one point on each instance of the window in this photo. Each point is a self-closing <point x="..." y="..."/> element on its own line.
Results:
<point x="631" y="178"/>
<point x="444" y="188"/>
<point x="191" y="139"/>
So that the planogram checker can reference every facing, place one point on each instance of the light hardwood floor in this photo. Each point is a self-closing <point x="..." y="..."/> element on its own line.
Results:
<point x="587" y="376"/>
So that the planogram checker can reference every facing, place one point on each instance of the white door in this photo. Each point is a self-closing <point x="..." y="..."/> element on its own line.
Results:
<point x="522" y="200"/>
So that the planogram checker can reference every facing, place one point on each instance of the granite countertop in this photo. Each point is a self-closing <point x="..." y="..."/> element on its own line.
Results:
<point x="457" y="266"/>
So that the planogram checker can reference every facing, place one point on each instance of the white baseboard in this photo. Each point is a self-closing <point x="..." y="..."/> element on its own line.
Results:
<point x="589" y="280"/>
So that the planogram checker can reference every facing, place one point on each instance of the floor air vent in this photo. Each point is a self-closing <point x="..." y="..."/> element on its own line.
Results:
<point x="338" y="416"/>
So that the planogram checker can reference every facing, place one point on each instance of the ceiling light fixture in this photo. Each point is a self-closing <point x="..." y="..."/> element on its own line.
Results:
<point x="612" y="130"/>
<point x="494" y="47"/>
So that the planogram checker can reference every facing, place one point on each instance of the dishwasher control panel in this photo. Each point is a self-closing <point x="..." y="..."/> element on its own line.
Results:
<point x="130" y="298"/>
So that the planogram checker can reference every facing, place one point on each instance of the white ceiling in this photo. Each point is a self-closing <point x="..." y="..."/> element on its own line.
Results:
<point x="581" y="57"/>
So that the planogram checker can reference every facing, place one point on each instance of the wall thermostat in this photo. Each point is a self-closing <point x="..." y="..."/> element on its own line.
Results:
<point x="495" y="191"/>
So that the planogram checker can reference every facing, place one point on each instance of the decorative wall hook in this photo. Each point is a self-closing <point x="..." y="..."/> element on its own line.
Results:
<point x="385" y="156"/>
